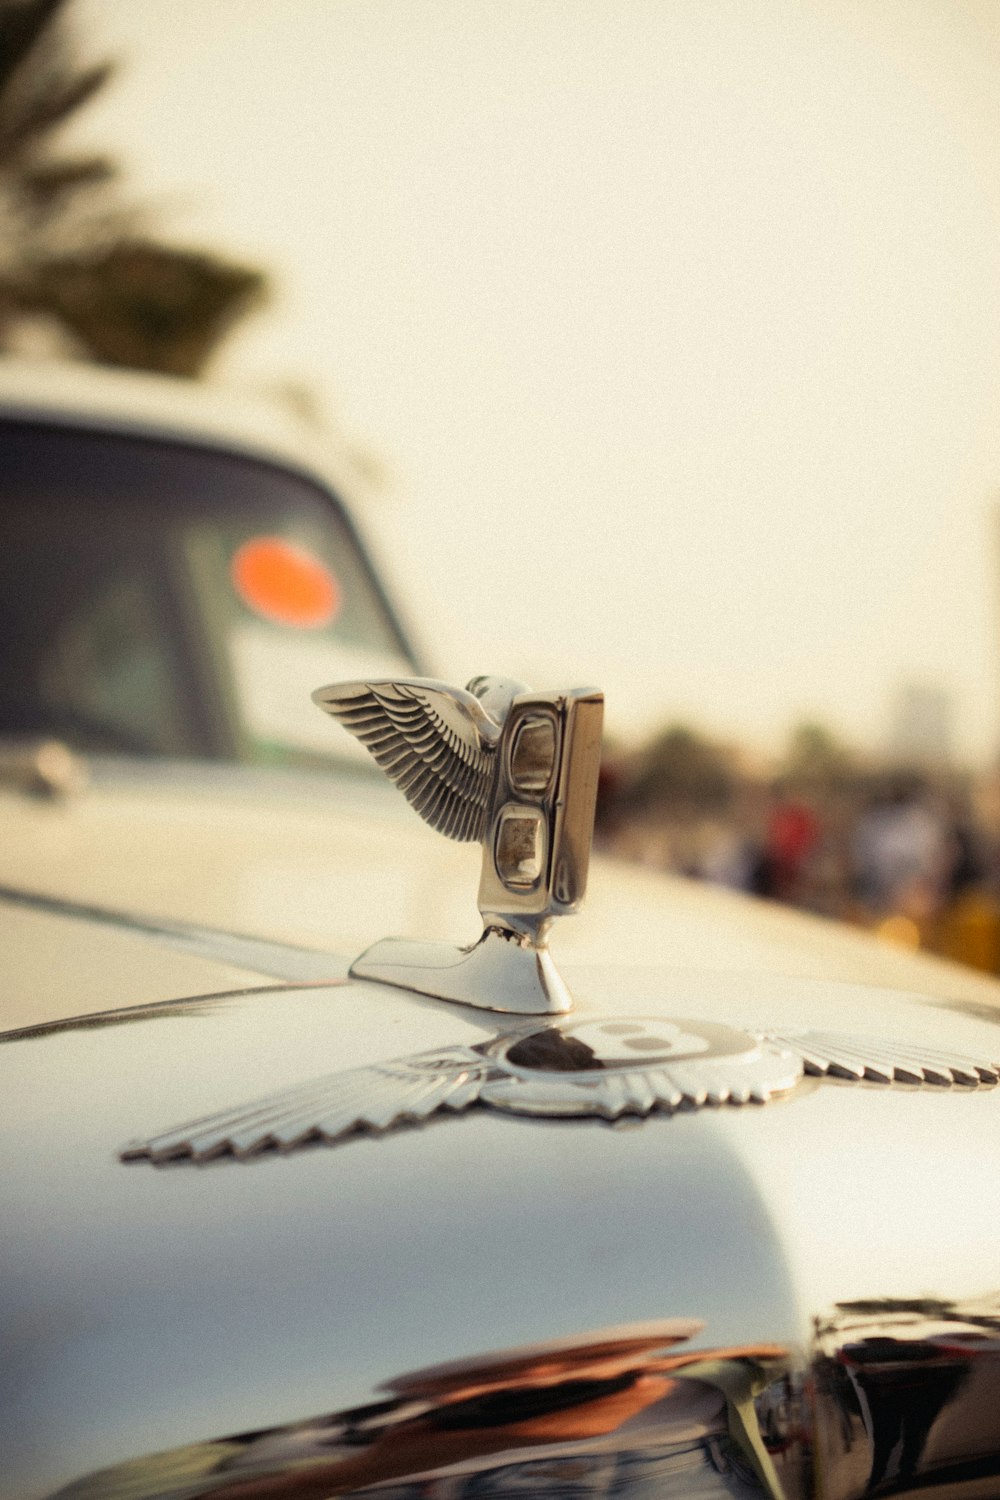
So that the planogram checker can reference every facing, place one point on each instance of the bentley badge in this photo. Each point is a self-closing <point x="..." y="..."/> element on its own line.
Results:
<point x="607" y="1067"/>
<point x="514" y="770"/>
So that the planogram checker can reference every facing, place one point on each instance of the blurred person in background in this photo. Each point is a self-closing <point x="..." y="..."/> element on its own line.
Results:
<point x="792" y="839"/>
<point x="900" y="854"/>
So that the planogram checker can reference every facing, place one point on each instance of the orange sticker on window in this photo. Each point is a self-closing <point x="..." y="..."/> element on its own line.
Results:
<point x="285" y="583"/>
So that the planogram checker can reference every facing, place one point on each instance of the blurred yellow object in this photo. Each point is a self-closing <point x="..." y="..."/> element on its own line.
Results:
<point x="969" y="931"/>
<point x="900" y="930"/>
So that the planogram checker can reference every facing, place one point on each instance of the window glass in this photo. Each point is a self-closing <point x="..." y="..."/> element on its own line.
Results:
<point x="161" y="599"/>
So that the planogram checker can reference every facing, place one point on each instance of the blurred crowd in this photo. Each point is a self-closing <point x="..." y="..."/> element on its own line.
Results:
<point x="913" y="854"/>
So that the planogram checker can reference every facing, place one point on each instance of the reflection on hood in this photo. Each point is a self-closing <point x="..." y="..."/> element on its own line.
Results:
<point x="611" y="1413"/>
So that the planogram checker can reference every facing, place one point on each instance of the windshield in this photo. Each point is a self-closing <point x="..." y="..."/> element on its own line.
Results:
<point x="164" y="600"/>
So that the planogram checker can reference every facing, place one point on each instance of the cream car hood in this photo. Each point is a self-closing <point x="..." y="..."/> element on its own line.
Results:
<point x="331" y="865"/>
<point x="208" y="1328"/>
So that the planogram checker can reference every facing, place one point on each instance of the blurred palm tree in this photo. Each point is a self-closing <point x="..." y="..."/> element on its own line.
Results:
<point x="74" y="254"/>
<point x="680" y="769"/>
<point x="816" y="758"/>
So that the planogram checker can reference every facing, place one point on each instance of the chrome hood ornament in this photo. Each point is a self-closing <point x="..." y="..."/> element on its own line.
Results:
<point x="605" y="1067"/>
<point x="514" y="770"/>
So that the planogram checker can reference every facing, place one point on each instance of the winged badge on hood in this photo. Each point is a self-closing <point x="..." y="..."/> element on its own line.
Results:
<point x="605" y="1068"/>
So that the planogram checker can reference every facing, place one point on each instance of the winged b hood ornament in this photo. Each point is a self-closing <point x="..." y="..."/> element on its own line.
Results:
<point x="516" y="771"/>
<point x="606" y="1067"/>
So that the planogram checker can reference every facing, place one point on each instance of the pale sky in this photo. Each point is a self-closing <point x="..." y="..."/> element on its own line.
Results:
<point x="676" y="321"/>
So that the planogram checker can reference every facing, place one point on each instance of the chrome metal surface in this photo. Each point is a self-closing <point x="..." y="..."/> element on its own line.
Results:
<point x="894" y="1397"/>
<point x="502" y="971"/>
<point x="616" y="1412"/>
<point x="857" y="1059"/>
<point x="437" y="743"/>
<point x="404" y="1091"/>
<point x="907" y="1393"/>
<point x="605" y="1067"/>
<point x="515" y="770"/>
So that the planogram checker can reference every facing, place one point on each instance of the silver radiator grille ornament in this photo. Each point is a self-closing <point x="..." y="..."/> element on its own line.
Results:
<point x="514" y="770"/>
<point x="605" y="1067"/>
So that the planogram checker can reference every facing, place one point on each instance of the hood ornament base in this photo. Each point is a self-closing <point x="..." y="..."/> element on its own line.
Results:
<point x="501" y="972"/>
<point x="514" y="770"/>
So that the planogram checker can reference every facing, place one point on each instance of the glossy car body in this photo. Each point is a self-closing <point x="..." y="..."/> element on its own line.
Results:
<point x="796" y="1297"/>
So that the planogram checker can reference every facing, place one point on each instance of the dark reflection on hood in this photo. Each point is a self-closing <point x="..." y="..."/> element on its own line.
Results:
<point x="619" y="1412"/>
<point x="907" y="1397"/>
